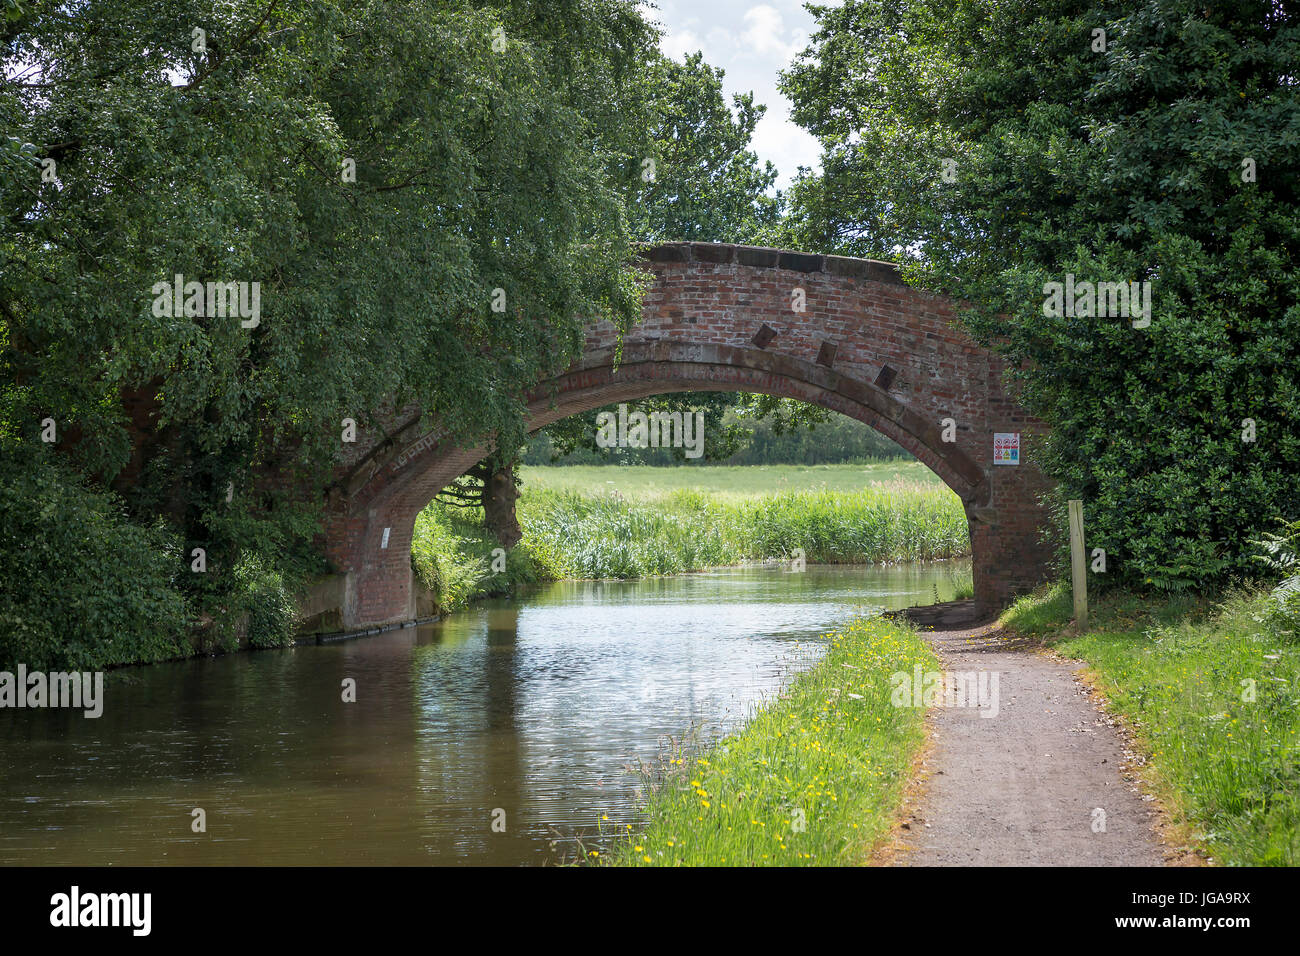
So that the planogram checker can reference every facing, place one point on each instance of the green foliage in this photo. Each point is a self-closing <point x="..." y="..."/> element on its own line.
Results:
<point x="475" y="169"/>
<point x="709" y="186"/>
<point x="267" y="602"/>
<point x="783" y="414"/>
<point x="740" y="429"/>
<point x="454" y="556"/>
<point x="1280" y="553"/>
<point x="445" y="562"/>
<point x="1121" y="165"/>
<point x="82" y="588"/>
<point x="573" y="439"/>
<point x="798" y="433"/>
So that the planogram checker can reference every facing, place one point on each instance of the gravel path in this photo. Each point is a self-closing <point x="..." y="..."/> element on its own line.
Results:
<point x="1028" y="786"/>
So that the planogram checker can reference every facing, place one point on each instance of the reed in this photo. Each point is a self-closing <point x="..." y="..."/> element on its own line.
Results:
<point x="598" y="534"/>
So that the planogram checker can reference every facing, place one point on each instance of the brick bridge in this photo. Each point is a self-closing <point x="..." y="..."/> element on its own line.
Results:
<point x="717" y="318"/>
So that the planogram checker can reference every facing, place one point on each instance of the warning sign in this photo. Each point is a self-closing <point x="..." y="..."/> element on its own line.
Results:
<point x="1006" y="448"/>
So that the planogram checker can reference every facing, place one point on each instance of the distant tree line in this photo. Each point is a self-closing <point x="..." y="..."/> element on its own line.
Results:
<point x="734" y="438"/>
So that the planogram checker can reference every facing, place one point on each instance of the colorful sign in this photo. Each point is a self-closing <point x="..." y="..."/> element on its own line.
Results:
<point x="1006" y="448"/>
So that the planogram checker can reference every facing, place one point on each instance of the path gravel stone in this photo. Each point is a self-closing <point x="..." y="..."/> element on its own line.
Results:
<point x="1024" y="787"/>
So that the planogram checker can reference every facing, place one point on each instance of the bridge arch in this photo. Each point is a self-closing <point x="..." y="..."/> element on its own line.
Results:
<point x="724" y="318"/>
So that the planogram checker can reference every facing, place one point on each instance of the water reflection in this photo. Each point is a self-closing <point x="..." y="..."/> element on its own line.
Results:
<point x="529" y="712"/>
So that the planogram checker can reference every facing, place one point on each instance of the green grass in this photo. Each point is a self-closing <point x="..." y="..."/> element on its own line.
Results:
<point x="1226" y="765"/>
<point x="452" y="555"/>
<point x="724" y="480"/>
<point x="814" y="779"/>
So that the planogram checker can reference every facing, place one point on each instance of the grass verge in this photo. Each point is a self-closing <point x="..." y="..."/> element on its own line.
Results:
<point x="814" y="779"/>
<point x="1212" y="697"/>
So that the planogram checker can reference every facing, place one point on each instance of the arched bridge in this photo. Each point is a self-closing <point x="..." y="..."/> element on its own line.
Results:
<point x="724" y="317"/>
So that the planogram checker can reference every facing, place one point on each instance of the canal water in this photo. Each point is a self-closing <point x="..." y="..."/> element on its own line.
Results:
<point x="504" y="734"/>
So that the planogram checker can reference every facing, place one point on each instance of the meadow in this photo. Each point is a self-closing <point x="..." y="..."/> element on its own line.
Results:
<point x="724" y="480"/>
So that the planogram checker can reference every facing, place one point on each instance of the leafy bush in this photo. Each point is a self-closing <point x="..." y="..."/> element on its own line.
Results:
<point x="1122" y="164"/>
<point x="267" y="602"/>
<point x="82" y="588"/>
<point x="1281" y="553"/>
<point x="442" y="560"/>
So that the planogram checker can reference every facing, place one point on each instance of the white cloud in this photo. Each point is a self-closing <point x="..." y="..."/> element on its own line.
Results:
<point x="767" y="37"/>
<point x="678" y="45"/>
<point x="721" y="44"/>
<point x="786" y="145"/>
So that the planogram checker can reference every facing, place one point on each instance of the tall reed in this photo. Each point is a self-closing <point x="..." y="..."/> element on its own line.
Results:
<point x="607" y="535"/>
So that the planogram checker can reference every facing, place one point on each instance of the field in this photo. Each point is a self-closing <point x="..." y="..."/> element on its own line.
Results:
<point x="639" y="480"/>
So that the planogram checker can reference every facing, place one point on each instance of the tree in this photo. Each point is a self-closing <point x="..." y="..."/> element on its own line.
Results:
<point x="724" y="438"/>
<point x="493" y="486"/>
<point x="997" y="148"/>
<point x="385" y="175"/>
<point x="708" y="185"/>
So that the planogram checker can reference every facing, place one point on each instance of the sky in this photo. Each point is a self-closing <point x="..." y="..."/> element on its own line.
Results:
<point x="751" y="42"/>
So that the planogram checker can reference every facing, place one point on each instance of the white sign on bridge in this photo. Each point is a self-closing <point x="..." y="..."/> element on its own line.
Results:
<point x="1006" y="448"/>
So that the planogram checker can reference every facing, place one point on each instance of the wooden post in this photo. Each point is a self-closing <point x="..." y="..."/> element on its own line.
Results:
<point x="1078" y="567"/>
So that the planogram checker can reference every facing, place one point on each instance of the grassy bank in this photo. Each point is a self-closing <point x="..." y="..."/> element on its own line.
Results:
<point x="1214" y="700"/>
<point x="579" y="527"/>
<point x="814" y="779"/>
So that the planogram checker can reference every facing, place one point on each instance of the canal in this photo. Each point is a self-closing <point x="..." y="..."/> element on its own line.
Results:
<point x="500" y="735"/>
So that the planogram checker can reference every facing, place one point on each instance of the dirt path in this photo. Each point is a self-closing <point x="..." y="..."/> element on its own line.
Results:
<point x="1024" y="787"/>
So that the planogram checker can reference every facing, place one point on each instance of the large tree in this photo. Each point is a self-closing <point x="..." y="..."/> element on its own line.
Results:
<point x="708" y="185"/>
<point x="387" y="173"/>
<point x="998" y="147"/>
